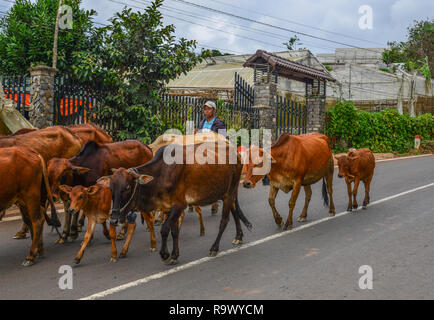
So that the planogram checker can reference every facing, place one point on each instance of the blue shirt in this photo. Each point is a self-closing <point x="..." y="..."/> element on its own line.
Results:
<point x="208" y="124"/>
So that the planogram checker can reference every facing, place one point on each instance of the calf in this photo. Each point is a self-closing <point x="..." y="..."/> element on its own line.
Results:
<point x="171" y="187"/>
<point x="25" y="182"/>
<point x="95" y="202"/>
<point x="356" y="166"/>
<point x="93" y="162"/>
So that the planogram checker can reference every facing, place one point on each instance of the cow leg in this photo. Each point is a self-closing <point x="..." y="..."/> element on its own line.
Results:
<point x="159" y="220"/>
<point x="36" y="223"/>
<point x="22" y="234"/>
<point x="87" y="239"/>
<point x="149" y="218"/>
<point x="350" y="196"/>
<point x="181" y="220"/>
<point x="121" y="235"/>
<point x="113" y="254"/>
<point x="175" y="212"/>
<point x="74" y="225"/>
<point x="356" y="187"/>
<point x="174" y="230"/>
<point x="214" y="208"/>
<point x="308" y="193"/>
<point x="292" y="201"/>
<point x="367" y="199"/>
<point x="131" y="219"/>
<point x="199" y="214"/>
<point x="272" y="202"/>
<point x="329" y="181"/>
<point x="227" y="204"/>
<point x="239" y="235"/>
<point x="81" y="223"/>
<point x="105" y="231"/>
<point x="67" y="225"/>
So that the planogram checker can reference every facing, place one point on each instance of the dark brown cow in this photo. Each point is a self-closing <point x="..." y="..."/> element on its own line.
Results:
<point x="23" y="172"/>
<point x="356" y="166"/>
<point x="159" y="185"/>
<point x="93" y="162"/>
<point x="296" y="161"/>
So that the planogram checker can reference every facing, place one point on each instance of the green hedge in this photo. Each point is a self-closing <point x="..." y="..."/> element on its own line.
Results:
<point x="385" y="131"/>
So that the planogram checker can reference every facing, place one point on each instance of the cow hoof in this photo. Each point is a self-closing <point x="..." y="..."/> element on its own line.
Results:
<point x="214" y="212"/>
<point x="120" y="237"/>
<point x="172" y="262"/>
<point x="77" y="260"/>
<point x="355" y="207"/>
<point x="28" y="263"/>
<point x="365" y="207"/>
<point x="74" y="236"/>
<point x="153" y="249"/>
<point x="213" y="253"/>
<point x="349" y="209"/>
<point x="301" y="219"/>
<point x="20" y="236"/>
<point x="202" y="234"/>
<point x="287" y="227"/>
<point x="148" y="230"/>
<point x="332" y="214"/>
<point x="60" y="241"/>
<point x="113" y="260"/>
<point x="167" y="261"/>
<point x="122" y="256"/>
<point x="237" y="242"/>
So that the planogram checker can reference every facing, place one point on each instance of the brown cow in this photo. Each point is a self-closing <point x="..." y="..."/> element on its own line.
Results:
<point x="96" y="204"/>
<point x="23" y="172"/>
<point x="52" y="142"/>
<point x="356" y="166"/>
<point x="296" y="161"/>
<point x="93" y="162"/>
<point x="171" y="187"/>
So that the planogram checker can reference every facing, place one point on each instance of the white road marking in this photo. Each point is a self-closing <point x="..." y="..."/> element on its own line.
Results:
<point x="234" y="250"/>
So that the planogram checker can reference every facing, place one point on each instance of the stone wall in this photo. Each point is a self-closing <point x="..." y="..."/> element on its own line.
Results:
<point x="41" y="96"/>
<point x="315" y="114"/>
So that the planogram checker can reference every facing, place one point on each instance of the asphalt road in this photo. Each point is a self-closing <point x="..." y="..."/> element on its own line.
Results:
<point x="395" y="237"/>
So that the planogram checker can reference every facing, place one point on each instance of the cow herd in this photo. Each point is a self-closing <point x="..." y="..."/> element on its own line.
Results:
<point x="114" y="182"/>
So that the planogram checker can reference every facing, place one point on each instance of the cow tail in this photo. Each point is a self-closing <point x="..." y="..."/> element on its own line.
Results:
<point x="325" y="194"/>
<point x="241" y="215"/>
<point x="54" y="220"/>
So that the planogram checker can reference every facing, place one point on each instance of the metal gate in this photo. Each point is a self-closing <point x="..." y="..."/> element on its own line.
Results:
<point x="291" y="116"/>
<point x="244" y="98"/>
<point x="17" y="89"/>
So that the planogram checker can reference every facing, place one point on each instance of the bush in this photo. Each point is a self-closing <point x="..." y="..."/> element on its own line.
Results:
<point x="386" y="131"/>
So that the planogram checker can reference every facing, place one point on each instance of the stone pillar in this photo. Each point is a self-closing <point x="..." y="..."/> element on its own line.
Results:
<point x="315" y="114"/>
<point x="41" y="96"/>
<point x="265" y="103"/>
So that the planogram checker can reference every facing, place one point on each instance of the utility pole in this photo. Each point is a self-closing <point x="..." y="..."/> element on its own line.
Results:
<point x="56" y="35"/>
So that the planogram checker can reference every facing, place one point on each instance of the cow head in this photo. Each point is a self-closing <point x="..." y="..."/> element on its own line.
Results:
<point x="345" y="164"/>
<point x="124" y="185"/>
<point x="78" y="196"/>
<point x="62" y="172"/>
<point x="257" y="160"/>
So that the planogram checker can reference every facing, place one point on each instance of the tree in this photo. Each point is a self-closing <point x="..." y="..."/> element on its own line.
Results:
<point x="135" y="57"/>
<point x="292" y="43"/>
<point x="27" y="30"/>
<point x="417" y="50"/>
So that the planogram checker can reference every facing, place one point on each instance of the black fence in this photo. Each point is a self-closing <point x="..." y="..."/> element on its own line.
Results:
<point x="17" y="89"/>
<point x="291" y="116"/>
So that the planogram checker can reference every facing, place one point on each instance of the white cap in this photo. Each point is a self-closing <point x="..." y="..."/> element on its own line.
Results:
<point x="210" y="104"/>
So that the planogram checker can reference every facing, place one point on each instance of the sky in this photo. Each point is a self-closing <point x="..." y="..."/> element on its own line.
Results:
<point x="336" y="22"/>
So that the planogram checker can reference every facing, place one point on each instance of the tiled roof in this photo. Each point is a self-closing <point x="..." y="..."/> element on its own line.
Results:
<point x="288" y="68"/>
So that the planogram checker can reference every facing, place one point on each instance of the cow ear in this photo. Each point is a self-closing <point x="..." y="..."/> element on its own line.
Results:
<point x="64" y="192"/>
<point x="104" y="181"/>
<point x="80" y="170"/>
<point x="92" y="190"/>
<point x="144" y="179"/>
